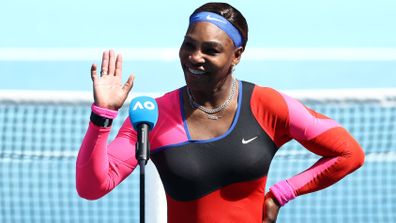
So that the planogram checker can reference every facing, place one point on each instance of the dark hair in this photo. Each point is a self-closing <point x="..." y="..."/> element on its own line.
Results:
<point x="230" y="13"/>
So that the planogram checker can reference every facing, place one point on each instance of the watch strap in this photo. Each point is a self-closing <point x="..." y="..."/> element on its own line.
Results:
<point x="100" y="121"/>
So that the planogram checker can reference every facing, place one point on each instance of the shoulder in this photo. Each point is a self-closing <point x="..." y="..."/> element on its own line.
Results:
<point x="266" y="97"/>
<point x="260" y="91"/>
<point x="168" y="99"/>
<point x="269" y="108"/>
<point x="169" y="128"/>
<point x="169" y="106"/>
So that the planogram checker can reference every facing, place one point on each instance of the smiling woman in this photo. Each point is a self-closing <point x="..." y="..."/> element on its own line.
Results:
<point x="212" y="169"/>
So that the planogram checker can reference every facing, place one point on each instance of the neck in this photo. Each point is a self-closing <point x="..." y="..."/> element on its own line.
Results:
<point x="214" y="97"/>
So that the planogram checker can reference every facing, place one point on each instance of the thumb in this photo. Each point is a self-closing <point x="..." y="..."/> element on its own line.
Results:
<point x="128" y="84"/>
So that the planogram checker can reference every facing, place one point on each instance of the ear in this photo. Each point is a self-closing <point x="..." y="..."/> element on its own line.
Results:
<point x="237" y="55"/>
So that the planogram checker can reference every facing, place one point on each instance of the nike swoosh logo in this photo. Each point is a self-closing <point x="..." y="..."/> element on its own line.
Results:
<point x="249" y="140"/>
<point x="215" y="19"/>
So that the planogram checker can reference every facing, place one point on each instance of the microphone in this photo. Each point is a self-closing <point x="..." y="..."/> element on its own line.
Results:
<point x="143" y="114"/>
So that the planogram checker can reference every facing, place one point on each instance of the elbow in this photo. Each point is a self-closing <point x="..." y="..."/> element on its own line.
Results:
<point x="88" y="196"/>
<point x="87" y="189"/>
<point x="359" y="158"/>
<point x="356" y="158"/>
<point x="87" y="193"/>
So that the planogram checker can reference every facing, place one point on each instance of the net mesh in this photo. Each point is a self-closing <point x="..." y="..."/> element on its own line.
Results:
<point x="41" y="134"/>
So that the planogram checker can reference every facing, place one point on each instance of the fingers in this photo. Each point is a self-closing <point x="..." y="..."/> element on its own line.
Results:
<point x="105" y="63"/>
<point x="128" y="84"/>
<point x="111" y="65"/>
<point x="112" y="60"/>
<point x="93" y="72"/>
<point x="118" y="66"/>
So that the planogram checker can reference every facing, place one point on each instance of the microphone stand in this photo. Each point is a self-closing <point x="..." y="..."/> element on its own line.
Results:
<point x="142" y="155"/>
<point x="142" y="164"/>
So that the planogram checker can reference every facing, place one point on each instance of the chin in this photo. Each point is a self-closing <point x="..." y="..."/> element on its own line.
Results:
<point x="195" y="83"/>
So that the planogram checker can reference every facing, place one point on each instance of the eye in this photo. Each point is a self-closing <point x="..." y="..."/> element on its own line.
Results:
<point x="187" y="45"/>
<point x="211" y="51"/>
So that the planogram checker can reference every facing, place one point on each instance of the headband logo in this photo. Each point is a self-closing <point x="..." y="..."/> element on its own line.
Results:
<point x="215" y="19"/>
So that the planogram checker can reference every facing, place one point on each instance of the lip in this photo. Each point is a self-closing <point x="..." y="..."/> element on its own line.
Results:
<point x="196" y="71"/>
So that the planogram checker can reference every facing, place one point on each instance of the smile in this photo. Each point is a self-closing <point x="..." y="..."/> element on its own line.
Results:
<point x="196" y="72"/>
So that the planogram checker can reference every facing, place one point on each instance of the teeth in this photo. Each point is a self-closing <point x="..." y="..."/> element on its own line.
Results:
<point x="196" y="72"/>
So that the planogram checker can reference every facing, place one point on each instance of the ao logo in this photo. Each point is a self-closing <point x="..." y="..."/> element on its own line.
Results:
<point x="147" y="104"/>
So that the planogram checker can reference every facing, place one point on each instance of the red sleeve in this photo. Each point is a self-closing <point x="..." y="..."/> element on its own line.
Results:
<point x="270" y="110"/>
<point x="341" y="155"/>
<point x="284" y="118"/>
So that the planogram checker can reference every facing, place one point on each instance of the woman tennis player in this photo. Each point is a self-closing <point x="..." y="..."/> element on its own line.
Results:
<point x="216" y="136"/>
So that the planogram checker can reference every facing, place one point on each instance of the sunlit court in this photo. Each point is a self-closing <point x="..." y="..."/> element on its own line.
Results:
<point x="337" y="58"/>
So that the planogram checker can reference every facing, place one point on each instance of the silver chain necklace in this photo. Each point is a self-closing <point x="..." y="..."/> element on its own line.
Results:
<point x="211" y="111"/>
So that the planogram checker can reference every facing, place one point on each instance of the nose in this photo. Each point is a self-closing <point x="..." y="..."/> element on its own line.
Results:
<point x="196" y="57"/>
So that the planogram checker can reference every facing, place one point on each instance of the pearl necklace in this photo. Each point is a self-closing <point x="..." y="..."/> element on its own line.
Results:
<point x="211" y="111"/>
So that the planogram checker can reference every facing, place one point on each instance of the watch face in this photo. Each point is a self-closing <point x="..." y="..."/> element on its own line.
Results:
<point x="106" y="122"/>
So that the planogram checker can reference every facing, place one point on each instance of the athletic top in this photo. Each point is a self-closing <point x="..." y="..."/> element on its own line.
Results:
<point x="222" y="179"/>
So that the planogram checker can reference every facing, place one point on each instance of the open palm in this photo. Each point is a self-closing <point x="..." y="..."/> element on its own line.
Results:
<point x="109" y="92"/>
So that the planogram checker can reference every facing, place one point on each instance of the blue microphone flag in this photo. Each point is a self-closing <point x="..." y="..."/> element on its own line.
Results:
<point x="143" y="109"/>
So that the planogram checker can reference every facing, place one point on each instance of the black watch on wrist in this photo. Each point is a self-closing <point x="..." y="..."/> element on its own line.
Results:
<point x="100" y="121"/>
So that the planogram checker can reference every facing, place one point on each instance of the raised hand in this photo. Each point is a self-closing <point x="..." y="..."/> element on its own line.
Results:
<point x="108" y="89"/>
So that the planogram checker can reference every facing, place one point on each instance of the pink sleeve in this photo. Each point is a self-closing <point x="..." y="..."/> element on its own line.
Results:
<point x="104" y="112"/>
<point x="101" y="167"/>
<point x="341" y="154"/>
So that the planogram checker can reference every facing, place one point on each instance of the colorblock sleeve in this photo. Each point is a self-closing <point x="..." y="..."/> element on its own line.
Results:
<point x="100" y="166"/>
<point x="341" y="154"/>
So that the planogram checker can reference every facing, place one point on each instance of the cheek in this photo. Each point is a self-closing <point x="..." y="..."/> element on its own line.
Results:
<point x="183" y="55"/>
<point x="222" y="64"/>
<point x="180" y="53"/>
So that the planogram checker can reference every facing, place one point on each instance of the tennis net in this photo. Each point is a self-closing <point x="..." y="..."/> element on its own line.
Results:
<point x="41" y="133"/>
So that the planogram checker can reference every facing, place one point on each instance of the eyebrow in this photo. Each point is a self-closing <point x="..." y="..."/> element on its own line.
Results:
<point x="214" y="44"/>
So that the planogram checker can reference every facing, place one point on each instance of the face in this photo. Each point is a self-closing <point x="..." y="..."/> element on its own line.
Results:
<point x="206" y="56"/>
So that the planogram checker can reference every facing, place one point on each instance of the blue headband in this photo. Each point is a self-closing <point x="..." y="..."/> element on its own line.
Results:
<point x="220" y="22"/>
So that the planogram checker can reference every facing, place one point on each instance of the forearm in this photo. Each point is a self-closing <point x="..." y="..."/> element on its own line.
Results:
<point x="101" y="167"/>
<point x="341" y="155"/>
